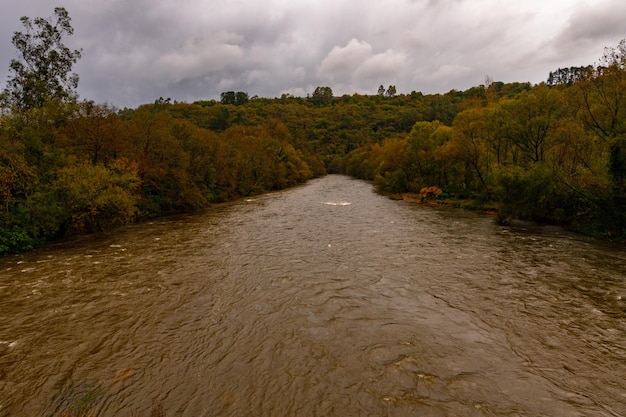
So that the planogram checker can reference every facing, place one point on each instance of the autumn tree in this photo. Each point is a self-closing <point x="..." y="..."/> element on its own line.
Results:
<point x="601" y="101"/>
<point x="96" y="197"/>
<point x="165" y="184"/>
<point x="601" y="95"/>
<point x="390" y="175"/>
<point x="96" y="133"/>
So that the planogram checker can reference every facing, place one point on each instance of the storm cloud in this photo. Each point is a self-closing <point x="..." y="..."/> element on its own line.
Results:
<point x="137" y="51"/>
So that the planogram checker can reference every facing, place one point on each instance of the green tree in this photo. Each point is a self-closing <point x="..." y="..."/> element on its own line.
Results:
<point x="237" y="98"/>
<point x="322" y="96"/>
<point x="44" y="70"/>
<point x="422" y="167"/>
<point x="566" y="76"/>
<point x="531" y="117"/>
<point x="469" y="134"/>
<point x="241" y="97"/>
<point x="17" y="183"/>
<point x="532" y="193"/>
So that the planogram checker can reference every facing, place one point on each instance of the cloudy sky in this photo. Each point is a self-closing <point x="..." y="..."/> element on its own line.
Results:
<point x="135" y="51"/>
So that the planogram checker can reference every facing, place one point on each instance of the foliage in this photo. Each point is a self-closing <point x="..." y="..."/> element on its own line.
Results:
<point x="97" y="197"/>
<point x="236" y="98"/>
<point x="322" y="96"/>
<point x="43" y="72"/>
<point x="430" y="193"/>
<point x="547" y="153"/>
<point x="532" y="194"/>
<point x="552" y="152"/>
<point x="15" y="240"/>
<point x="566" y="76"/>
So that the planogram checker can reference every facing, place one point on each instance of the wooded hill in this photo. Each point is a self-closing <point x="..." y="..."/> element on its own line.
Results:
<point x="554" y="152"/>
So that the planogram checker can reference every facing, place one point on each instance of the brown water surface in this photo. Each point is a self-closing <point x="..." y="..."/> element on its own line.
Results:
<point x="323" y="300"/>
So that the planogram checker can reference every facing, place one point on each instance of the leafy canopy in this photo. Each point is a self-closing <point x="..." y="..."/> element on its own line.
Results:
<point x="43" y="70"/>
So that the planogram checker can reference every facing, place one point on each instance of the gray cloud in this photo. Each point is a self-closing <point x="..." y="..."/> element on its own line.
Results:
<point x="601" y="23"/>
<point x="136" y="51"/>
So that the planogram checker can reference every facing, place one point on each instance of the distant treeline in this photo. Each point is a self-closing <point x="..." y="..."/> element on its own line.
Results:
<point x="554" y="152"/>
<point x="70" y="167"/>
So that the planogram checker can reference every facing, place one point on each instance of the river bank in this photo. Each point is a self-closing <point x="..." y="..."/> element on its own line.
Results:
<point x="467" y="204"/>
<point x="492" y="208"/>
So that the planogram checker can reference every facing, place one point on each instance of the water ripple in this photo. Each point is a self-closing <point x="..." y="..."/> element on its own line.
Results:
<point x="323" y="300"/>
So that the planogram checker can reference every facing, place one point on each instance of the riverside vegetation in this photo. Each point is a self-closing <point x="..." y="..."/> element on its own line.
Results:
<point x="553" y="152"/>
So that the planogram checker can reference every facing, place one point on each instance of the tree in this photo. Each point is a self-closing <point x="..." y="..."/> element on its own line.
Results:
<point x="322" y="95"/>
<point x="96" y="132"/>
<point x="390" y="175"/>
<point x="566" y="76"/>
<point x="422" y="167"/>
<point x="469" y="130"/>
<point x="44" y="71"/>
<point x="601" y="100"/>
<point x="391" y="91"/>
<point x="531" y="117"/>
<point x="241" y="97"/>
<point x="237" y="98"/>
<point x="381" y="90"/>
<point x="601" y="95"/>
<point x="97" y="197"/>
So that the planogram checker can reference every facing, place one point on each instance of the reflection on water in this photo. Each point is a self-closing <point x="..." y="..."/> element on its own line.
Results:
<point x="324" y="300"/>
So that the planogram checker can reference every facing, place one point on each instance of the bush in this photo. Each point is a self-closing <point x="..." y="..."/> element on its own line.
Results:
<point x="430" y="193"/>
<point x="534" y="194"/>
<point x="98" y="198"/>
<point x="14" y="240"/>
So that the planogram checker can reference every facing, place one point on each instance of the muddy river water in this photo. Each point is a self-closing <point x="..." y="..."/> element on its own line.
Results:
<point x="323" y="300"/>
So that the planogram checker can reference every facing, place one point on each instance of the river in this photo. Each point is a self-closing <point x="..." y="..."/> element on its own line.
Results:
<point x="322" y="300"/>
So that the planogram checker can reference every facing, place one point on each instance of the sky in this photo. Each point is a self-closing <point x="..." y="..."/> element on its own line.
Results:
<point x="135" y="51"/>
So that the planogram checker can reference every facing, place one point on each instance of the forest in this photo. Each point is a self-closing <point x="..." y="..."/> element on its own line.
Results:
<point x="553" y="152"/>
